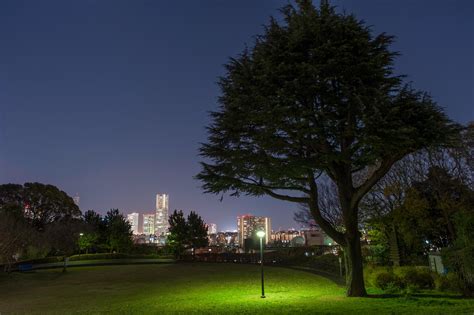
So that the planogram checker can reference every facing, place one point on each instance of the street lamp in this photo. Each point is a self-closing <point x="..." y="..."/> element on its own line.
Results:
<point x="261" y="234"/>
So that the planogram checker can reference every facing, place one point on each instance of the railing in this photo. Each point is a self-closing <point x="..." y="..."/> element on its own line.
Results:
<point x="271" y="255"/>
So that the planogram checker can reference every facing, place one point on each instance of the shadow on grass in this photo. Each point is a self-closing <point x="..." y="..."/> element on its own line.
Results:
<point x="334" y="278"/>
<point x="416" y="295"/>
<point x="38" y="276"/>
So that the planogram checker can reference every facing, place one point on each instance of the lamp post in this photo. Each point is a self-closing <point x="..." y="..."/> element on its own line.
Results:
<point x="261" y="234"/>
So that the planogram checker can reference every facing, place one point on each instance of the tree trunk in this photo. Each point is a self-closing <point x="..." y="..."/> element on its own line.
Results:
<point x="355" y="272"/>
<point x="393" y="243"/>
<point x="346" y="266"/>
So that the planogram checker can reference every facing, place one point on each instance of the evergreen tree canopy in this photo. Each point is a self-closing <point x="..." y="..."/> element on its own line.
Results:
<point x="186" y="233"/>
<point x="317" y="94"/>
<point x="197" y="231"/>
<point x="119" y="231"/>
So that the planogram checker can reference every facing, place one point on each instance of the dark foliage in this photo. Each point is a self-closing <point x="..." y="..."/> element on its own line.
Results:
<point x="118" y="230"/>
<point x="190" y="233"/>
<point x="42" y="203"/>
<point x="317" y="95"/>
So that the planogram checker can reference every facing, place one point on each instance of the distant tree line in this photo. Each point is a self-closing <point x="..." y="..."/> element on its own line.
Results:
<point x="39" y="220"/>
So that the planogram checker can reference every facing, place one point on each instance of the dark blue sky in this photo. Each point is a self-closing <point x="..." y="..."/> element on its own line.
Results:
<point x="109" y="99"/>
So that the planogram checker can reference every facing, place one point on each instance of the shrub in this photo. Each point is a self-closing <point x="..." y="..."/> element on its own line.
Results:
<point x="34" y="252"/>
<point x="442" y="283"/>
<point x="448" y="282"/>
<point x="98" y="256"/>
<point x="327" y="262"/>
<point x="113" y="256"/>
<point x="371" y="272"/>
<point x="393" y="287"/>
<point x="417" y="278"/>
<point x="387" y="280"/>
<point x="409" y="290"/>
<point x="44" y="260"/>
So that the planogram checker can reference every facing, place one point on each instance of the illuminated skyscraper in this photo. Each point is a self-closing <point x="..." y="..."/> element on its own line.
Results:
<point x="149" y="223"/>
<point x="211" y="228"/>
<point x="132" y="218"/>
<point x="162" y="206"/>
<point x="248" y="224"/>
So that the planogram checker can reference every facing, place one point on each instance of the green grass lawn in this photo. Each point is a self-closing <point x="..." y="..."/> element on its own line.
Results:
<point x="198" y="288"/>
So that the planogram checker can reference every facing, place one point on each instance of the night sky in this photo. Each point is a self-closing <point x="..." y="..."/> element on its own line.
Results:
<point x="109" y="99"/>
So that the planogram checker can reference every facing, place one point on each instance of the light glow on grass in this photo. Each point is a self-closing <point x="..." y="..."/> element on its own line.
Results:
<point x="198" y="288"/>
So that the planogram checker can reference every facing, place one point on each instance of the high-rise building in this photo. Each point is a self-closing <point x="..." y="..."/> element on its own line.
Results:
<point x="283" y="236"/>
<point x="211" y="228"/>
<point x="133" y="218"/>
<point x="248" y="224"/>
<point x="149" y="223"/>
<point x="161" y="218"/>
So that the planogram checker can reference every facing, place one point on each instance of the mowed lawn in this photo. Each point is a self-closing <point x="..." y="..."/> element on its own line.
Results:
<point x="198" y="288"/>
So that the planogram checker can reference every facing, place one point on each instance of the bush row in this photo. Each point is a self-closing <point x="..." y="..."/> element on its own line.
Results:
<point x="114" y="256"/>
<point x="409" y="279"/>
<point x="99" y="256"/>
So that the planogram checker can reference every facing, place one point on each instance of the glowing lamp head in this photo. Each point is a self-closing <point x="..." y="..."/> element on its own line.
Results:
<point x="261" y="234"/>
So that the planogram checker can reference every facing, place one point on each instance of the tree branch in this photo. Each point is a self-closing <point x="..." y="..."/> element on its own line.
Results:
<point x="285" y="197"/>
<point x="271" y="193"/>
<point x="363" y="189"/>
<point x="316" y="212"/>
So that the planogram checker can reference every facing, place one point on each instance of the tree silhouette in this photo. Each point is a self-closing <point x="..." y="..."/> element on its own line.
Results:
<point x="317" y="95"/>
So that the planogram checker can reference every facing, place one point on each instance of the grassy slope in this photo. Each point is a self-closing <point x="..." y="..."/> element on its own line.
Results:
<point x="203" y="288"/>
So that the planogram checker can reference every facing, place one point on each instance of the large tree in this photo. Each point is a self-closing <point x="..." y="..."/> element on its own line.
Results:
<point x="178" y="232"/>
<point x="62" y="235"/>
<point x="42" y="203"/>
<point x="430" y="179"/>
<point x="118" y="230"/>
<point x="15" y="234"/>
<point x="431" y="207"/>
<point x="196" y="231"/>
<point x="316" y="94"/>
<point x="95" y="225"/>
<point x="191" y="233"/>
<point x="379" y="206"/>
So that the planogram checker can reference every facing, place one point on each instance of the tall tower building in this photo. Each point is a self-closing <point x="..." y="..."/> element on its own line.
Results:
<point x="211" y="228"/>
<point x="149" y="223"/>
<point x="161" y="217"/>
<point x="248" y="224"/>
<point x="132" y="218"/>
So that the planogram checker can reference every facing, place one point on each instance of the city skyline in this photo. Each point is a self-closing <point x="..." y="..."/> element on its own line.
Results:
<point x="117" y="120"/>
